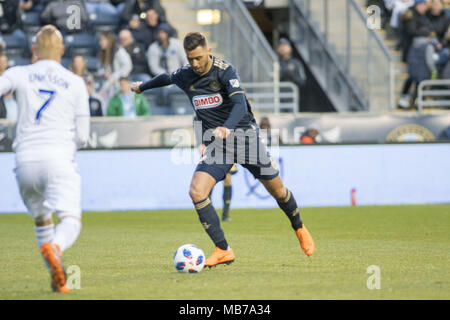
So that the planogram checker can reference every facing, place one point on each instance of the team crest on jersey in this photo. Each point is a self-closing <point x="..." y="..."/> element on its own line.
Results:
<point x="235" y="83"/>
<point x="207" y="101"/>
<point x="214" y="85"/>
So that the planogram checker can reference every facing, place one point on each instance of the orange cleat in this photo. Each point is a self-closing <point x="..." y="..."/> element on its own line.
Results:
<point x="306" y="241"/>
<point x="52" y="255"/>
<point x="220" y="256"/>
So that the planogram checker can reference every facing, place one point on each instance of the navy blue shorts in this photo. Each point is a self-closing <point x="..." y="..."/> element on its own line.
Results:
<point x="252" y="155"/>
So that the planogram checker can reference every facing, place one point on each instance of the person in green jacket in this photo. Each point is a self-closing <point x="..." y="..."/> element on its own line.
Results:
<point x="126" y="103"/>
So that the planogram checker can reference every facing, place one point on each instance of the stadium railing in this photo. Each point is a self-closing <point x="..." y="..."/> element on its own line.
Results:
<point x="261" y="96"/>
<point x="347" y="56"/>
<point x="433" y="93"/>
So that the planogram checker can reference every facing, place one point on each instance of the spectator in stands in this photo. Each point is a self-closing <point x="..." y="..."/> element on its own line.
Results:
<point x="140" y="71"/>
<point x="311" y="134"/>
<point x="165" y="55"/>
<point x="127" y="103"/>
<point x="78" y="66"/>
<point x="421" y="62"/>
<point x="268" y="136"/>
<point x="417" y="25"/>
<point x="399" y="7"/>
<point x="444" y="72"/>
<point x="32" y="5"/>
<point x="8" y="104"/>
<point x="291" y="69"/>
<point x="139" y="8"/>
<point x="95" y="101"/>
<point x="59" y="14"/>
<point x="10" y="19"/>
<point x="4" y="62"/>
<point x="99" y="7"/>
<point x="115" y="63"/>
<point x="149" y="29"/>
<point x="439" y="20"/>
<point x="135" y="26"/>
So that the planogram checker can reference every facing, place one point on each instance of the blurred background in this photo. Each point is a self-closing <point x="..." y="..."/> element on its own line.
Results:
<point x="341" y="71"/>
<point x="318" y="73"/>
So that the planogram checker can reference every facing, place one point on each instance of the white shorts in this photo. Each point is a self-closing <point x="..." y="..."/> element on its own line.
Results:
<point x="50" y="186"/>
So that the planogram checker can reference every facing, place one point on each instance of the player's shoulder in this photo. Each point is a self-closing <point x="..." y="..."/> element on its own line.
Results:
<point x="222" y="64"/>
<point x="74" y="78"/>
<point x="183" y="71"/>
<point x="16" y="70"/>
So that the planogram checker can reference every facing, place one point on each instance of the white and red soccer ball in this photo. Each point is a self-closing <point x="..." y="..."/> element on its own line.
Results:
<point x="189" y="259"/>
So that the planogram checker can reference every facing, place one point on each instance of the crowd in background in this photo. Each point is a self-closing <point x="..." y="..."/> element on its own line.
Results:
<point x="422" y="29"/>
<point x="110" y="44"/>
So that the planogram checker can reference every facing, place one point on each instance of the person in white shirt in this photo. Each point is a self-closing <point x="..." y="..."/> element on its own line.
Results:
<point x="165" y="55"/>
<point x="52" y="122"/>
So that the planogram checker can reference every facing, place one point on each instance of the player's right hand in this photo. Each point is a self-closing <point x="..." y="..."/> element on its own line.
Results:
<point x="201" y="148"/>
<point x="135" y="86"/>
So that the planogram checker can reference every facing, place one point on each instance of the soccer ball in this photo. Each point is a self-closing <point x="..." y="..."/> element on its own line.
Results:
<point x="189" y="259"/>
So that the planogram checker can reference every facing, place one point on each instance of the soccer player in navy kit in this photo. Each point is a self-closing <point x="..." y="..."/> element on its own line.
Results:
<point x="231" y="135"/>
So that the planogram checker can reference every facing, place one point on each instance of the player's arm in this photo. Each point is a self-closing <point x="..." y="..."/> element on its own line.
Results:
<point x="238" y="112"/>
<point x="5" y="86"/>
<point x="8" y="81"/>
<point x="237" y="95"/>
<point x="198" y="135"/>
<point x="157" y="82"/>
<point x="82" y="117"/>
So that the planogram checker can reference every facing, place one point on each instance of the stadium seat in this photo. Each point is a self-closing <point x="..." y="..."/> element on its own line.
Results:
<point x="155" y="109"/>
<point x="82" y="44"/>
<point x="31" y="22"/>
<point x="14" y="45"/>
<point x="181" y="104"/>
<point x="139" y="77"/>
<point x="103" y="19"/>
<point x="17" y="61"/>
<point x="92" y="63"/>
<point x="66" y="62"/>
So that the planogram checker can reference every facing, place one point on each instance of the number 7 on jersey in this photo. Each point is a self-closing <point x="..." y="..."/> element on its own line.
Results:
<point x="46" y="103"/>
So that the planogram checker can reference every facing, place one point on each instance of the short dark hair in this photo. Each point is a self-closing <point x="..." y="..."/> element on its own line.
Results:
<point x="194" y="39"/>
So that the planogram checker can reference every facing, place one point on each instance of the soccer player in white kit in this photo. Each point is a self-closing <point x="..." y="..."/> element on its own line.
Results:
<point x="53" y="121"/>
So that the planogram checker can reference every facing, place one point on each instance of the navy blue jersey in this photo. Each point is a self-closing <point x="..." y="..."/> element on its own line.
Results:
<point x="210" y="94"/>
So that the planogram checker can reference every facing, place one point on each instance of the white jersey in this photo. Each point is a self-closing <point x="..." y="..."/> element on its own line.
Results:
<point x="51" y="101"/>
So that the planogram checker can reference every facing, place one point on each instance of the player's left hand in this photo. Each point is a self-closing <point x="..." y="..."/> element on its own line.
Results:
<point x="221" y="132"/>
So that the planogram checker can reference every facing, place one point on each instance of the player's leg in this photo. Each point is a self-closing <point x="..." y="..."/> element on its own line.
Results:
<point x="288" y="204"/>
<point x="63" y="193"/>
<point x="227" y="192"/>
<point x="204" y="179"/>
<point x="31" y="181"/>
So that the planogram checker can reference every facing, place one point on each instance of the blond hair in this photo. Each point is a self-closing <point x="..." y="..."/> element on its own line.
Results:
<point x="49" y="43"/>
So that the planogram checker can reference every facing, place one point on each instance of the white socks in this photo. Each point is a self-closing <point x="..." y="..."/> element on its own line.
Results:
<point x="44" y="234"/>
<point x="66" y="232"/>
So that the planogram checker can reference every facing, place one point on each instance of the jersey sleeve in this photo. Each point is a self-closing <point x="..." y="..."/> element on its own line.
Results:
<point x="82" y="116"/>
<point x="10" y="79"/>
<point x="231" y="81"/>
<point x="178" y="77"/>
<point x="82" y="109"/>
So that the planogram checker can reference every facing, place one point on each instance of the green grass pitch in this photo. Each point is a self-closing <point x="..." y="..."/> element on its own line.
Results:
<point x="128" y="255"/>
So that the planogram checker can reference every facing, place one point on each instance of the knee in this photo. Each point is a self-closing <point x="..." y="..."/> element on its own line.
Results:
<point x="197" y="194"/>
